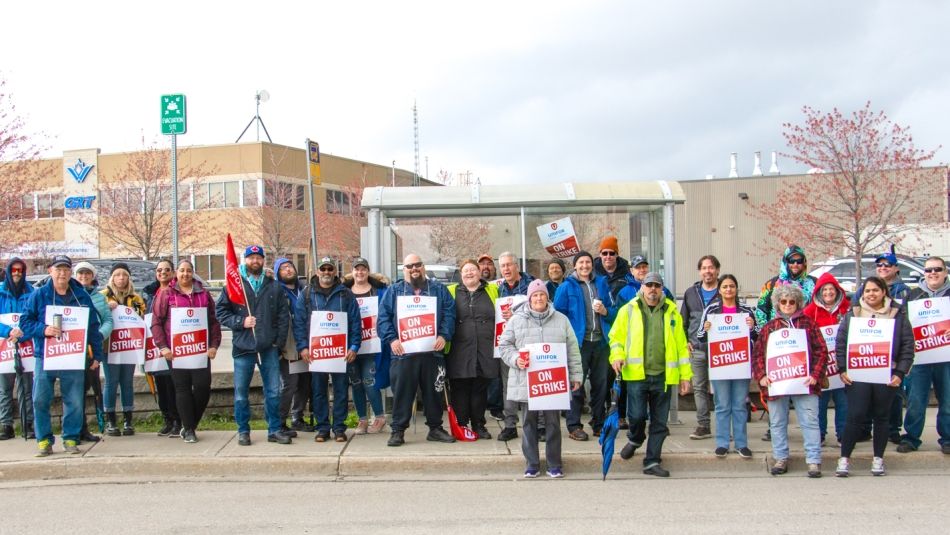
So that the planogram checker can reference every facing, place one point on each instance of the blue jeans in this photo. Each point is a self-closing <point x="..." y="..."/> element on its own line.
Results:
<point x="362" y="374"/>
<point x="806" y="409"/>
<point x="71" y="389"/>
<point x="841" y="412"/>
<point x="118" y="375"/>
<point x="918" y="394"/>
<point x="321" y="401"/>
<point x="649" y="394"/>
<point x="270" y="378"/>
<point x="731" y="411"/>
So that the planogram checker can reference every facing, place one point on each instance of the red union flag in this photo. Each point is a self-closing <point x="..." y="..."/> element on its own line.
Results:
<point x="869" y="350"/>
<point x="558" y="238"/>
<point x="232" y="274"/>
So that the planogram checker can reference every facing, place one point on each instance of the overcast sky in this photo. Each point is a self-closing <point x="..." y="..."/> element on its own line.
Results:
<point x="591" y="90"/>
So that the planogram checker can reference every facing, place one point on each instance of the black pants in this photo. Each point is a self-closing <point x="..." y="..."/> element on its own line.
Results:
<point x="868" y="400"/>
<point x="192" y="392"/>
<point x="294" y="392"/>
<point x="594" y="361"/>
<point x="165" y="388"/>
<point x="470" y="399"/>
<point x="90" y="378"/>
<point x="410" y="373"/>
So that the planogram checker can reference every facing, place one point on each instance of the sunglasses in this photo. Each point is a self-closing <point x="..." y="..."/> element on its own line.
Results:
<point x="884" y="265"/>
<point x="787" y="302"/>
<point x="795" y="261"/>
<point x="653" y="285"/>
<point x="415" y="265"/>
<point x="933" y="270"/>
<point x="327" y="269"/>
<point x="608" y="253"/>
<point x="16" y="270"/>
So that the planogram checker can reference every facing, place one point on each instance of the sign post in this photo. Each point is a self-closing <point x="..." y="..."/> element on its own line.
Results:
<point x="174" y="122"/>
<point x="313" y="173"/>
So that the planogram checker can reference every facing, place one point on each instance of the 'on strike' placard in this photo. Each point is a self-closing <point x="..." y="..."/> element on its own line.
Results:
<point x="869" y="350"/>
<point x="548" y="385"/>
<point x="417" y="323"/>
<point x="729" y="356"/>
<point x="328" y="344"/>
<point x="786" y="362"/>
<point x="189" y="330"/>
<point x="930" y="319"/>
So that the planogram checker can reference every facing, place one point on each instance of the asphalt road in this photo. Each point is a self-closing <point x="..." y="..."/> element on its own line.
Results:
<point x="793" y="504"/>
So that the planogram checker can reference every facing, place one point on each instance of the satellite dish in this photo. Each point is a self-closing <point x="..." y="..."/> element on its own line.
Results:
<point x="263" y="95"/>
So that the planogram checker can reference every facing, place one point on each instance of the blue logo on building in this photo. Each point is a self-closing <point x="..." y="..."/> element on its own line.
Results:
<point x="75" y="203"/>
<point x="80" y="170"/>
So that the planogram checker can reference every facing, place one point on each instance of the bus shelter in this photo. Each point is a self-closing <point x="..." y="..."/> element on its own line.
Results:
<point x="446" y="225"/>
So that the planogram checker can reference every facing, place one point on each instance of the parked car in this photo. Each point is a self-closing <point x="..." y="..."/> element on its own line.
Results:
<point x="143" y="273"/>
<point x="911" y="271"/>
<point x="443" y="273"/>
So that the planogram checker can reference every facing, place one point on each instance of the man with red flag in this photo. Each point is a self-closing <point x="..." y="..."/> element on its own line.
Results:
<point x="256" y="310"/>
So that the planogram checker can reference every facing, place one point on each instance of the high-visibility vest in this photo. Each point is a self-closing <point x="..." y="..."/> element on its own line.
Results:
<point x="627" y="343"/>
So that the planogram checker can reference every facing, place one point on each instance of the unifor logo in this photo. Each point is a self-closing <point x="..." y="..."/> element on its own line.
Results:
<point x="191" y="312"/>
<point x="546" y="348"/>
<point x="928" y="304"/>
<point x="871" y="323"/>
<point x="728" y="320"/>
<point x="359" y="301"/>
<point x="554" y="226"/>
<point x="416" y="299"/>
<point x="80" y="170"/>
<point x="16" y="318"/>
<point x="329" y="316"/>
<point x="828" y="331"/>
<point x="67" y="311"/>
<point x="785" y="333"/>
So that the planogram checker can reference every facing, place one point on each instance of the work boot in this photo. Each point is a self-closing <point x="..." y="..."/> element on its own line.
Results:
<point x="127" y="428"/>
<point x="86" y="436"/>
<point x="111" y="428"/>
<point x="300" y="425"/>
<point x="437" y="434"/>
<point x="166" y="428"/>
<point x="6" y="432"/>
<point x="396" y="439"/>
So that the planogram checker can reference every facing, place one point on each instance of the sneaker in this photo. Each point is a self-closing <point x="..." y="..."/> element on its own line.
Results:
<point x="622" y="424"/>
<point x="844" y="467"/>
<point x="721" y="452"/>
<point x="905" y="447"/>
<point x="555" y="473"/>
<point x="945" y="448"/>
<point x="166" y="429"/>
<point x="745" y="453"/>
<point x="895" y="438"/>
<point x="578" y="434"/>
<point x="877" y="466"/>
<point x="44" y="448"/>
<point x="279" y="438"/>
<point x="482" y="433"/>
<point x="507" y="434"/>
<point x="701" y="432"/>
<point x="767" y="437"/>
<point x="530" y="473"/>
<point x="396" y="439"/>
<point x="288" y="431"/>
<point x="71" y="447"/>
<point x="300" y="425"/>
<point x="176" y="430"/>
<point x="656" y="470"/>
<point x="497" y="414"/>
<point x="378" y="424"/>
<point x="244" y="439"/>
<point x="779" y="467"/>
<point x="437" y="434"/>
<point x="814" y="470"/>
<point x="362" y="427"/>
<point x="628" y="450"/>
<point x="189" y="436"/>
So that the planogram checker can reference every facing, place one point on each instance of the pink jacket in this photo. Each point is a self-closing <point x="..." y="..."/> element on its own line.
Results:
<point x="173" y="297"/>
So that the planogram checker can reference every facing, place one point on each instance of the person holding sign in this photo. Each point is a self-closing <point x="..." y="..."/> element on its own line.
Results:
<point x="875" y="350"/>
<point x="696" y="299"/>
<point x="119" y="292"/>
<point x="932" y="343"/>
<point x="183" y="348"/>
<point x="15" y="292"/>
<point x="416" y="319"/>
<point x="730" y="357"/>
<point x="789" y="362"/>
<point x="538" y="323"/>
<point x="60" y="294"/>
<point x="369" y="373"/>
<point x="829" y="304"/>
<point x="648" y="347"/>
<point x="470" y="361"/>
<point x="326" y="293"/>
<point x="86" y="274"/>
<point x="514" y="282"/>
<point x="165" y="387"/>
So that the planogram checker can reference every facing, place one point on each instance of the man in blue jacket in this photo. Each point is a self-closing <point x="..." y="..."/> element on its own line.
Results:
<point x="411" y="371"/>
<point x="61" y="290"/>
<point x="15" y="291"/>
<point x="326" y="293"/>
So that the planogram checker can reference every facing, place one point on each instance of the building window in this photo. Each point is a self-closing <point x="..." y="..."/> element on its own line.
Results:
<point x="27" y="207"/>
<point x="250" y="193"/>
<point x="232" y="194"/>
<point x="301" y="264"/>
<point x="299" y="199"/>
<point x="201" y="196"/>
<point x="201" y="266"/>
<point x="216" y="195"/>
<point x="338" y="202"/>
<point x="43" y="206"/>
<point x="217" y="267"/>
<point x="56" y="203"/>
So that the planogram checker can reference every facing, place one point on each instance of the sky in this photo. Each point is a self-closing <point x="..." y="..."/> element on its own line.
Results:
<point x="513" y="92"/>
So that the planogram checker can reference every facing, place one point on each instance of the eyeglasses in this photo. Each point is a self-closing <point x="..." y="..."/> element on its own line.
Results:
<point x="795" y="261"/>
<point x="884" y="265"/>
<point x="933" y="270"/>
<point x="415" y="265"/>
<point x="787" y="302"/>
<point x="327" y="269"/>
<point x="653" y="285"/>
<point x="608" y="253"/>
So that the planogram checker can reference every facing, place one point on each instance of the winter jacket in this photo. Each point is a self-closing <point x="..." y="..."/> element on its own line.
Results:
<point x="148" y="293"/>
<point x="816" y="309"/>
<point x="33" y="320"/>
<point x="628" y="343"/>
<point x="897" y="290"/>
<point x="552" y="287"/>
<point x="715" y="307"/>
<point x="268" y="305"/>
<point x="472" y="351"/>
<point x="569" y="300"/>
<point x="632" y="288"/>
<point x="694" y="313"/>
<point x="521" y="288"/>
<point x="444" y="317"/>
<point x="902" y="343"/>
<point x="380" y="284"/>
<point x="817" y="350"/>
<point x="615" y="281"/>
<point x="133" y="300"/>
<point x="102" y="308"/>
<point x="289" y="350"/>
<point x="173" y="297"/>
<point x="10" y="303"/>
<point x="529" y="327"/>
<point x="806" y="282"/>
<point x="339" y="299"/>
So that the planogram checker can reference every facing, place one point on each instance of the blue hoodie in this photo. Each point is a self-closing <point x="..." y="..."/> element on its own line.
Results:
<point x="292" y="293"/>
<point x="569" y="300"/>
<point x="13" y="300"/>
<point x="33" y="320"/>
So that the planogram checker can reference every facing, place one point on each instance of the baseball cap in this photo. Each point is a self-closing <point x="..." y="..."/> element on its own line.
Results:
<point x="359" y="261"/>
<point x="253" y="249"/>
<point x="637" y="260"/>
<point x="61" y="260"/>
<point x="326" y="261"/>
<point x="653" y="277"/>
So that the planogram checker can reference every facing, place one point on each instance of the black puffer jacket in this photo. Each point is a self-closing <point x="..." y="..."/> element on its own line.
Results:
<point x="272" y="310"/>
<point x="473" y="346"/>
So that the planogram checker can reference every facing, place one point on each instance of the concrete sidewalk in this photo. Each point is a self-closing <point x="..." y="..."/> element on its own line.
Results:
<point x="366" y="457"/>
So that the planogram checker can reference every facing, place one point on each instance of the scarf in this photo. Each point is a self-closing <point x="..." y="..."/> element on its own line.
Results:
<point x="254" y="281"/>
<point x="865" y="310"/>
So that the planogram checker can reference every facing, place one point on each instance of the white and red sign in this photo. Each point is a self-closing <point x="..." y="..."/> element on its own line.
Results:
<point x="869" y="350"/>
<point x="548" y="385"/>
<point x="67" y="351"/>
<point x="729" y="347"/>
<point x="369" y="311"/>
<point x="930" y="319"/>
<point x="7" y="356"/>
<point x="787" y="362"/>
<point x="328" y="342"/>
<point x="502" y="305"/>
<point x="189" y="332"/>
<point x="558" y="238"/>
<point x="416" y="315"/>
<point x="153" y="356"/>
<point x="830" y="334"/>
<point x="127" y="341"/>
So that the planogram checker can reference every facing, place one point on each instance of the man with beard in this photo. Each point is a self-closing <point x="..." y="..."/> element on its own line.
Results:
<point x="695" y="300"/>
<point x="15" y="291"/>
<point x="294" y="387"/>
<point x="326" y="293"/>
<point x="487" y="266"/>
<point x="259" y="329"/>
<point x="412" y="371"/>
